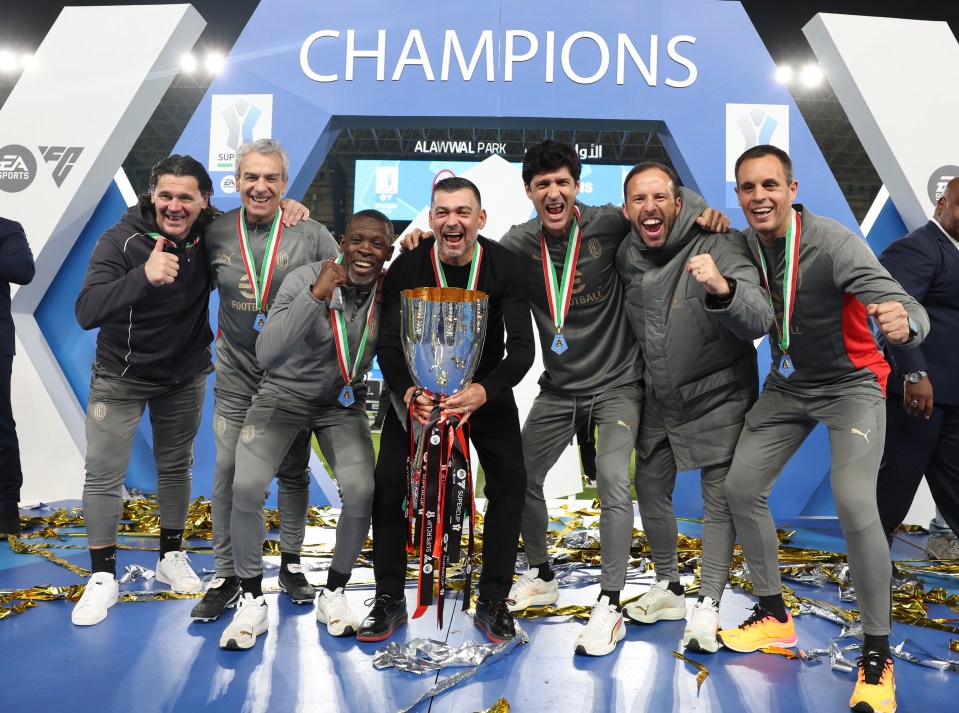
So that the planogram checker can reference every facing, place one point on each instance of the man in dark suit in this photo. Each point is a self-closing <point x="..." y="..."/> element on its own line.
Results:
<point x="16" y="265"/>
<point x="922" y="436"/>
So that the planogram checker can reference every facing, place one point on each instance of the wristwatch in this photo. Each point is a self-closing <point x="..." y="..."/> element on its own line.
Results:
<point x="914" y="377"/>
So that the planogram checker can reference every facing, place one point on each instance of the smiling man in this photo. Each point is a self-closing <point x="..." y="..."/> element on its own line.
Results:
<point x="251" y="251"/>
<point x="593" y="370"/>
<point x="316" y="348"/>
<point x="147" y="288"/>
<point x="825" y="284"/>
<point x="695" y="304"/>
<point x="458" y="257"/>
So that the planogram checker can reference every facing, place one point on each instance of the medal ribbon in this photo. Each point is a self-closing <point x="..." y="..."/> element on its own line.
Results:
<point x="560" y="293"/>
<point x="789" y="279"/>
<point x="342" y="341"/>
<point x="474" y="267"/>
<point x="187" y="244"/>
<point x="261" y="287"/>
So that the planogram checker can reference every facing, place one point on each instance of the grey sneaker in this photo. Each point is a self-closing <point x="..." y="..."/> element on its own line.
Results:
<point x="942" y="547"/>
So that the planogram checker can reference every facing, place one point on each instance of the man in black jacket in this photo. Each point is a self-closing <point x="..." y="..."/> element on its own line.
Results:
<point x="147" y="288"/>
<point x="458" y="257"/>
<point x="16" y="265"/>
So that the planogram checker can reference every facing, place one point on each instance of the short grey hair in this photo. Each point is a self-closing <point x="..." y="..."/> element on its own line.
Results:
<point x="264" y="146"/>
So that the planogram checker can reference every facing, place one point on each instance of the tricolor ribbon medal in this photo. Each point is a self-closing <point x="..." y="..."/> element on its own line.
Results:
<point x="474" y="267"/>
<point x="260" y="283"/>
<point x="786" y="365"/>
<point x="559" y="292"/>
<point x="348" y="367"/>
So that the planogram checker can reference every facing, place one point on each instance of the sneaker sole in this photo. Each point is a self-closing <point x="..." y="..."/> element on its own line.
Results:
<point x="347" y="630"/>
<point x="234" y="645"/>
<point x="293" y="599"/>
<point x="759" y="645"/>
<point x="694" y="645"/>
<point x="91" y="622"/>
<point x="540" y="600"/>
<point x="360" y="636"/>
<point x="229" y="605"/>
<point x="663" y="615"/>
<point x="609" y="648"/>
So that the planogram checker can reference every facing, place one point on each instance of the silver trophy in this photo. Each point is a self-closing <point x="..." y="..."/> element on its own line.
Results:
<point x="443" y="329"/>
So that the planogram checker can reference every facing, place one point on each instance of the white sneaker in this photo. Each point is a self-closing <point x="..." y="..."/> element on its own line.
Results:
<point x="174" y="569"/>
<point x="250" y="621"/>
<point x="657" y="604"/>
<point x="531" y="591"/>
<point x="333" y="610"/>
<point x="603" y="631"/>
<point x="99" y="595"/>
<point x="700" y="632"/>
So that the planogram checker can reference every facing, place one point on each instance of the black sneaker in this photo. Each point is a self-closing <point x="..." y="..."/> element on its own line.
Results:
<point x="10" y="522"/>
<point x="293" y="582"/>
<point x="386" y="616"/>
<point x="495" y="619"/>
<point x="222" y="594"/>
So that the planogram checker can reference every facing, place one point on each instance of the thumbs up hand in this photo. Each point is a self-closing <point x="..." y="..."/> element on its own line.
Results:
<point x="161" y="268"/>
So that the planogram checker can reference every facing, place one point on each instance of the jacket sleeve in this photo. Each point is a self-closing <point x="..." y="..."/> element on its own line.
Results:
<point x="16" y="259"/>
<point x="857" y="270"/>
<point x="520" y="347"/>
<point x="389" y="349"/>
<point x="749" y="314"/>
<point x="914" y="266"/>
<point x="294" y="312"/>
<point x="111" y="285"/>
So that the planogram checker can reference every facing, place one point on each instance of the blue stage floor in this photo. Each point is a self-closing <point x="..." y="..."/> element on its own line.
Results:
<point x="148" y="656"/>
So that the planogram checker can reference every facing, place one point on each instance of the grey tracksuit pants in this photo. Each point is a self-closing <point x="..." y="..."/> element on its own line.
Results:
<point x="114" y="410"/>
<point x="550" y="426"/>
<point x="293" y="495"/>
<point x="270" y="428"/>
<point x="775" y="428"/>
<point x="655" y="480"/>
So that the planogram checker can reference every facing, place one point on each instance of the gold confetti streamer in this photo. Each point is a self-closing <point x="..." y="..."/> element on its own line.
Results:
<point x="703" y="671"/>
<point x="23" y="549"/>
<point x="779" y="651"/>
<point x="501" y="706"/>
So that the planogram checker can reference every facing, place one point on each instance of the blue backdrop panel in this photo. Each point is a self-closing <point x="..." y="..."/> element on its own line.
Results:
<point x="671" y="66"/>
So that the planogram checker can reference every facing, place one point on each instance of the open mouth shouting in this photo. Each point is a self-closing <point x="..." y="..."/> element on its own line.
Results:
<point x="454" y="240"/>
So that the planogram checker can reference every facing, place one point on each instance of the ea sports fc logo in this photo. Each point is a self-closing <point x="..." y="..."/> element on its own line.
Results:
<point x="18" y="168"/>
<point x="938" y="180"/>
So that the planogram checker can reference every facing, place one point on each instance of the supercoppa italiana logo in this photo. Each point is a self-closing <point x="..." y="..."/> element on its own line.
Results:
<point x="18" y="168"/>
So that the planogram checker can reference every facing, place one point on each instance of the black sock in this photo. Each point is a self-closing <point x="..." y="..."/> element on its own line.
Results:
<point x="774" y="605"/>
<point x="252" y="585"/>
<point x="613" y="597"/>
<point x="878" y="642"/>
<point x="677" y="589"/>
<point x="544" y="572"/>
<point x="336" y="580"/>
<point x="104" y="559"/>
<point x="170" y="541"/>
<point x="286" y="559"/>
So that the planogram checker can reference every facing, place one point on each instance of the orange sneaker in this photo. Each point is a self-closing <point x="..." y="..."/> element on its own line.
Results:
<point x="760" y="629"/>
<point x="875" y="688"/>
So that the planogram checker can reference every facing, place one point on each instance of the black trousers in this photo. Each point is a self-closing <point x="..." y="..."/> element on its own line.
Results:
<point x="917" y="447"/>
<point x="495" y="432"/>
<point x="11" y="477"/>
